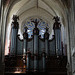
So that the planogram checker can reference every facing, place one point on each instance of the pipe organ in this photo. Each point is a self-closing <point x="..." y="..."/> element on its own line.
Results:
<point x="35" y="50"/>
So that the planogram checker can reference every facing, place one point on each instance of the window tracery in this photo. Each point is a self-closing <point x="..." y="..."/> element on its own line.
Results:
<point x="41" y="26"/>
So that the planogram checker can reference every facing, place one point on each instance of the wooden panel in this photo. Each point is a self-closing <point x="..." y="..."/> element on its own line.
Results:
<point x="19" y="47"/>
<point x="41" y="46"/>
<point x="52" y="47"/>
<point x="30" y="46"/>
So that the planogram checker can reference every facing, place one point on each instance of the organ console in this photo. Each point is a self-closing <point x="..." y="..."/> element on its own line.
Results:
<point x="35" y="50"/>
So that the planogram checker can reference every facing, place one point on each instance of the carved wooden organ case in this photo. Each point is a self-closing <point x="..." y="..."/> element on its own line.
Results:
<point x="35" y="50"/>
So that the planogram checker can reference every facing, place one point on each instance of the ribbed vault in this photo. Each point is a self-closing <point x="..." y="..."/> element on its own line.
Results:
<point x="47" y="9"/>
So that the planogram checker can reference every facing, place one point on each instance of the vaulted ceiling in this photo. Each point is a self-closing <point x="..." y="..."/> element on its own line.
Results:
<point x="45" y="9"/>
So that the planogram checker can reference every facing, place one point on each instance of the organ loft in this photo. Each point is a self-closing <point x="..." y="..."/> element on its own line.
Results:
<point x="35" y="54"/>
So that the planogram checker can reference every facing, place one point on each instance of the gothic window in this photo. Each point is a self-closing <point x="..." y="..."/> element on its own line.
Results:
<point x="41" y="26"/>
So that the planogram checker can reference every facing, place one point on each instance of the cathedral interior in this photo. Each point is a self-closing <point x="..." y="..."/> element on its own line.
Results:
<point x="37" y="37"/>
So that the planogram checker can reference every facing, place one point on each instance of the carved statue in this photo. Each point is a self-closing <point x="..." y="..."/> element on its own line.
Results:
<point x="57" y="24"/>
<point x="15" y="18"/>
<point x="15" y="24"/>
<point x="25" y="29"/>
<point x="46" y="29"/>
<point x="35" y="22"/>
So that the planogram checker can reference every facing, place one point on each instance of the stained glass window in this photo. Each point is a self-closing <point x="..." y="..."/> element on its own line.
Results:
<point x="41" y="26"/>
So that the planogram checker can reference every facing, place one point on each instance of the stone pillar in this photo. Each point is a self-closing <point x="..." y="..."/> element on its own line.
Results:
<point x="57" y="32"/>
<point x="71" y="29"/>
<point x="1" y="22"/>
<point x="14" y="32"/>
<point x="1" y="39"/>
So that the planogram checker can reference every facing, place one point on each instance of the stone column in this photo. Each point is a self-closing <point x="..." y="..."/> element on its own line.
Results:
<point x="1" y="22"/>
<point x="71" y="29"/>
<point x="1" y="49"/>
<point x="14" y="32"/>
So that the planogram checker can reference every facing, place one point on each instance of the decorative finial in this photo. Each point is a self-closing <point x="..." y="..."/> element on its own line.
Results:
<point x="56" y="18"/>
<point x="35" y="22"/>
<point x="15" y="18"/>
<point x="46" y="29"/>
<point x="57" y="24"/>
<point x="25" y="29"/>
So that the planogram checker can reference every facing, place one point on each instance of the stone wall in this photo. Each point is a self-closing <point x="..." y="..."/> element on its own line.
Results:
<point x="71" y="31"/>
